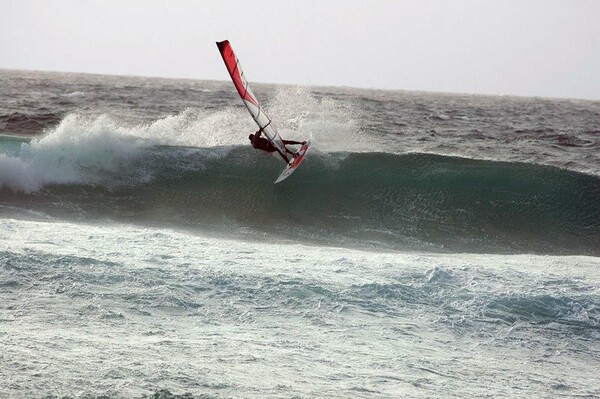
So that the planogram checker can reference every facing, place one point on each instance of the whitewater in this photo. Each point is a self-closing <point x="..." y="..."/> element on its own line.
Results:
<point x="431" y="245"/>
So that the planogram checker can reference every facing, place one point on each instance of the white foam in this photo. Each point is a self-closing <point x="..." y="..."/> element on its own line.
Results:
<point x="105" y="150"/>
<point x="296" y="113"/>
<point x="332" y="125"/>
<point x="199" y="128"/>
<point x="79" y="150"/>
<point x="134" y="295"/>
<point x="17" y="174"/>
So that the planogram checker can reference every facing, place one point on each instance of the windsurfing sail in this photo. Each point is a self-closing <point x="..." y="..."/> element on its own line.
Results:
<point x="241" y="84"/>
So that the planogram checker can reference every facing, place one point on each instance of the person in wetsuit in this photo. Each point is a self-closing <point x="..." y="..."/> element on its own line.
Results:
<point x="261" y="143"/>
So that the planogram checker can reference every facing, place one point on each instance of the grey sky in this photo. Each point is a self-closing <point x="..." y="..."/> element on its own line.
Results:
<point x="522" y="47"/>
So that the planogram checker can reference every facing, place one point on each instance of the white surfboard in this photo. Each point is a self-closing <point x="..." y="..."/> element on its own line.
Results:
<point x="294" y="163"/>
<point x="258" y="114"/>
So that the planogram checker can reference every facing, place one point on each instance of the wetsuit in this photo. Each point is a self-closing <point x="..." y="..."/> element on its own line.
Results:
<point x="262" y="143"/>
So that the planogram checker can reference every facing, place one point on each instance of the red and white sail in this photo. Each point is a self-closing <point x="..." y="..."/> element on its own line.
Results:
<point x="241" y="84"/>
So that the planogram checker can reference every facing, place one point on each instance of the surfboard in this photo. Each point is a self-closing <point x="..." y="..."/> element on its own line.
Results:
<point x="258" y="114"/>
<point x="294" y="163"/>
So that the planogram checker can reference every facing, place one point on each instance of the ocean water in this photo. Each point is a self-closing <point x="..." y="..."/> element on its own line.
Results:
<point x="430" y="246"/>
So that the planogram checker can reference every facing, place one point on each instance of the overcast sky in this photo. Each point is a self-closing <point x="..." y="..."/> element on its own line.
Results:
<point x="522" y="47"/>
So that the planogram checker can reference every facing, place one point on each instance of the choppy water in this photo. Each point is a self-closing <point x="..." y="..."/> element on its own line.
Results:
<point x="432" y="245"/>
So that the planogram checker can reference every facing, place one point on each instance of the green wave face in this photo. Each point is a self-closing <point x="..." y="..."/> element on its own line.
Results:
<point x="408" y="202"/>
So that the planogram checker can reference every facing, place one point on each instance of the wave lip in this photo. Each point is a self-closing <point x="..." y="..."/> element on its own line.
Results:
<point x="80" y="150"/>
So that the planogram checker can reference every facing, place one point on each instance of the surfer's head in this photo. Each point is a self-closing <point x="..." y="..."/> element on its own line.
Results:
<point x="251" y="137"/>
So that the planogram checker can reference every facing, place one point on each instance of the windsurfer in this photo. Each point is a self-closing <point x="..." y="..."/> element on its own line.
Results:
<point x="261" y="143"/>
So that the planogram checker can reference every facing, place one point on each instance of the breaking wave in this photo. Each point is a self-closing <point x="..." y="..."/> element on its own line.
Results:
<point x="99" y="169"/>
